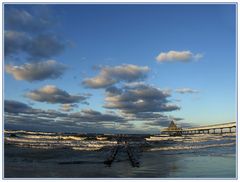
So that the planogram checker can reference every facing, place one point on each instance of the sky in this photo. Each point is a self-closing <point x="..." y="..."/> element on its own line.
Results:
<point x="118" y="68"/>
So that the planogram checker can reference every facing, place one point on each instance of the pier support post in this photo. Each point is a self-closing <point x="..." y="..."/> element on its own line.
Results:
<point x="230" y="130"/>
<point x="221" y="130"/>
<point x="213" y="131"/>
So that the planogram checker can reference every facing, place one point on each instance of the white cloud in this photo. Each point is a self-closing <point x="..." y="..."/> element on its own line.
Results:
<point x="183" y="56"/>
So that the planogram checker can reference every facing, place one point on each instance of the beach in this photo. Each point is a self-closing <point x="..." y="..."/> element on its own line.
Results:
<point x="168" y="159"/>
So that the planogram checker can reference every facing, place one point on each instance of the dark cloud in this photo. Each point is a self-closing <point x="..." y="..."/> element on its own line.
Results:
<point x="16" y="107"/>
<point x="109" y="76"/>
<point x="52" y="94"/>
<point x="23" y="20"/>
<point x="160" y="123"/>
<point x="154" y="119"/>
<point x="36" y="71"/>
<point x="139" y="98"/>
<point x="44" y="46"/>
<point x="89" y="115"/>
<point x="150" y="116"/>
<point x="50" y="113"/>
<point x="15" y="42"/>
<point x="113" y="90"/>
<point x="20" y="115"/>
<point x="28" y="120"/>
<point x="12" y="106"/>
<point x="30" y="34"/>
<point x="39" y="47"/>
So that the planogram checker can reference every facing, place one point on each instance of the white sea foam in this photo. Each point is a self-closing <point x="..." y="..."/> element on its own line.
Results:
<point x="28" y="132"/>
<point x="72" y="138"/>
<point x="52" y="142"/>
<point x="45" y="140"/>
<point x="197" y="138"/>
<point x="190" y="147"/>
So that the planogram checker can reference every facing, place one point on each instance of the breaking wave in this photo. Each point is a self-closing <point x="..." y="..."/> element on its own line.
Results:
<point x="46" y="140"/>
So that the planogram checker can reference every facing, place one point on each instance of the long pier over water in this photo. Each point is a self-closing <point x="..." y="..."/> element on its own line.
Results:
<point x="217" y="128"/>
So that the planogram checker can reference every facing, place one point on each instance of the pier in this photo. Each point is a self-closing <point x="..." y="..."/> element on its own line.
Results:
<point x="209" y="129"/>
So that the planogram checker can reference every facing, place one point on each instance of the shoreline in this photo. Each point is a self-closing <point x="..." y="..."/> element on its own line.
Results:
<point x="42" y="163"/>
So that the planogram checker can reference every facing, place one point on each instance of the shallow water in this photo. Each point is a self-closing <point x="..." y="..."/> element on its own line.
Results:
<point x="51" y="155"/>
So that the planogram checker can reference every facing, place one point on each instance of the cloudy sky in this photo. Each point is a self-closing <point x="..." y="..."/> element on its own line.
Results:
<point x="118" y="68"/>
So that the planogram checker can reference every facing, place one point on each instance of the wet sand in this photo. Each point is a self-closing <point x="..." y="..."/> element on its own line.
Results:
<point x="42" y="163"/>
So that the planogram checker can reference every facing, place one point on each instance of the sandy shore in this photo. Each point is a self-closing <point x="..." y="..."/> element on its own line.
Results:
<point x="42" y="163"/>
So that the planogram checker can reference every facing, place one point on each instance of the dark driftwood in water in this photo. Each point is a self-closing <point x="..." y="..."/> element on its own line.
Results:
<point x="111" y="158"/>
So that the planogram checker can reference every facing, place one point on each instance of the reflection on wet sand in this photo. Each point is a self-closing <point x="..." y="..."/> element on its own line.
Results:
<point x="204" y="156"/>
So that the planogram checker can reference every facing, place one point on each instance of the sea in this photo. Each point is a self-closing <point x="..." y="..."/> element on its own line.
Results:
<point x="29" y="154"/>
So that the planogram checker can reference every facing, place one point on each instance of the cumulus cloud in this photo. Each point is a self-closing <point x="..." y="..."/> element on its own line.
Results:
<point x="183" y="56"/>
<point x="89" y="115"/>
<point x="186" y="90"/>
<point x="15" y="42"/>
<point x="20" y="115"/>
<point x="52" y="94"/>
<point x="139" y="98"/>
<point x="28" y="34"/>
<point x="23" y="20"/>
<point x="16" y="107"/>
<point x="36" y="71"/>
<point x="41" y="46"/>
<point x="111" y="75"/>
<point x="44" y="46"/>
<point x="12" y="106"/>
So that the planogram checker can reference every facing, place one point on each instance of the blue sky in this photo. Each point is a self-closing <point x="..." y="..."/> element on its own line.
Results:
<point x="182" y="57"/>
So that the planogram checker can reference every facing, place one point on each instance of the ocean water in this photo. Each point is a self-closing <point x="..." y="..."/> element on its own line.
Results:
<point x="61" y="155"/>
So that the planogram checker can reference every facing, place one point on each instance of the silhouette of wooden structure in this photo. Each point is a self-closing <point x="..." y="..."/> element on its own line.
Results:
<point x="173" y="130"/>
<point x="123" y="146"/>
<point x="112" y="156"/>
